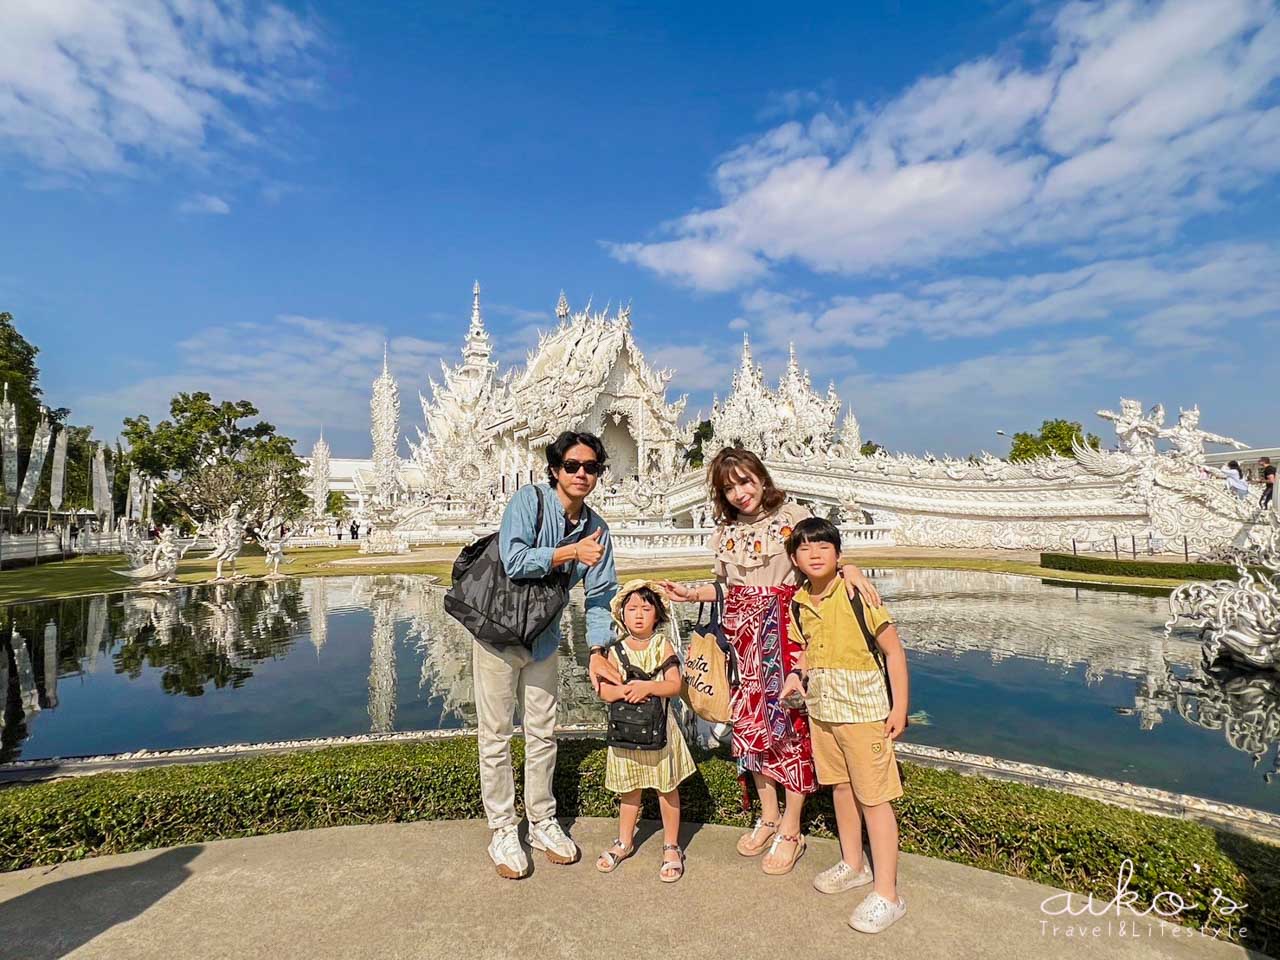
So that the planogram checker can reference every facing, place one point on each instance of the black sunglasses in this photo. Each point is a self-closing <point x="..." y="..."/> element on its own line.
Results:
<point x="593" y="467"/>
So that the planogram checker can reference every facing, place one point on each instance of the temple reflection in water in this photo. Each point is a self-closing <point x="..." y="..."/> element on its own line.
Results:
<point x="261" y="661"/>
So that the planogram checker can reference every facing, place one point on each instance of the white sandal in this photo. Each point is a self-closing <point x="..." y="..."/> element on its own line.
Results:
<point x="614" y="859"/>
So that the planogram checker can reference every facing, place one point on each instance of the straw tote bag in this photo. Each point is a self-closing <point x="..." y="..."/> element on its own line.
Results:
<point x="710" y="667"/>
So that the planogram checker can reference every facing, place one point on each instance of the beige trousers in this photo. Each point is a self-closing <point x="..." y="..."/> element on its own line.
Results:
<point x="504" y="678"/>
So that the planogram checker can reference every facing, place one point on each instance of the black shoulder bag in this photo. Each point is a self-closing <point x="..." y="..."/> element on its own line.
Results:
<point x="496" y="608"/>
<point x="638" y="726"/>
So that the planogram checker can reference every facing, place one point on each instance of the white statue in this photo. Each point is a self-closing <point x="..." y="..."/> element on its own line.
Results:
<point x="162" y="563"/>
<point x="273" y="541"/>
<point x="1189" y="440"/>
<point x="228" y="539"/>
<point x="1136" y="434"/>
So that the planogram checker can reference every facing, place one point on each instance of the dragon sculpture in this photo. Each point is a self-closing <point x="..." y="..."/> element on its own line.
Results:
<point x="1238" y="619"/>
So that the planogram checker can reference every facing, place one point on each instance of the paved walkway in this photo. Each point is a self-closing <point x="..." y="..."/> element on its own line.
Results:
<point x="427" y="890"/>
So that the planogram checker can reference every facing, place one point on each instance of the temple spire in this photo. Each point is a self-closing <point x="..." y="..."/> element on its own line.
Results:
<point x="478" y="347"/>
<point x="476" y="322"/>
<point x="562" y="308"/>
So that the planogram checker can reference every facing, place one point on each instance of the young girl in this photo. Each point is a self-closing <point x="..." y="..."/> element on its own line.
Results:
<point x="639" y="609"/>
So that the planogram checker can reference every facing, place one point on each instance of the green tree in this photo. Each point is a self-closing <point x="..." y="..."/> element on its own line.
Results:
<point x="693" y="454"/>
<point x="335" y="504"/>
<point x="205" y="459"/>
<point x="1055" y="437"/>
<point x="870" y="448"/>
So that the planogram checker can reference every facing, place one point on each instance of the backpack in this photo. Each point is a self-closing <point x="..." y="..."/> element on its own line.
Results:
<point x="497" y="609"/>
<point x="638" y="726"/>
<point x="710" y="666"/>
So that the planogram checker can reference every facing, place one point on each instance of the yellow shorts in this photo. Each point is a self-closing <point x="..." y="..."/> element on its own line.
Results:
<point x="858" y="754"/>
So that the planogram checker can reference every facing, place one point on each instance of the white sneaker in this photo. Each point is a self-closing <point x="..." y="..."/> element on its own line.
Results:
<point x="876" y="914"/>
<point x="507" y="854"/>
<point x="842" y="877"/>
<point x="547" y="836"/>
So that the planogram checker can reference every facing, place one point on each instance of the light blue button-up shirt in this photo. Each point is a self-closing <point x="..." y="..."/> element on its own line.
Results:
<point x="526" y="554"/>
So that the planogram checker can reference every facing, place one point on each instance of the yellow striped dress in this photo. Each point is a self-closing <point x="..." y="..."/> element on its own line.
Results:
<point x="664" y="769"/>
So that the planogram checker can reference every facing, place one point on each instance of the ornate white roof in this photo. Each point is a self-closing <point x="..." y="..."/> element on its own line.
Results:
<point x="763" y="419"/>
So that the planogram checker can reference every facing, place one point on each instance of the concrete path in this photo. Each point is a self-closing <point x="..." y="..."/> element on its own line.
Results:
<point x="428" y="890"/>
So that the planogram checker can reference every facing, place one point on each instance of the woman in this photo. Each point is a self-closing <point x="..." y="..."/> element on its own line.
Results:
<point x="753" y="521"/>
<point x="1236" y="483"/>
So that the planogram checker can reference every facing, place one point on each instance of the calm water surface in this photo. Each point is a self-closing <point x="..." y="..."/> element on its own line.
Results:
<point x="1078" y="679"/>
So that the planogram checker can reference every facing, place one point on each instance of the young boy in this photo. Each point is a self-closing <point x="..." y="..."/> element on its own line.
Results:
<point x="854" y="718"/>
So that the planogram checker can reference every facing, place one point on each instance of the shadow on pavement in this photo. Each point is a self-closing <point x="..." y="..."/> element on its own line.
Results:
<point x="55" y="918"/>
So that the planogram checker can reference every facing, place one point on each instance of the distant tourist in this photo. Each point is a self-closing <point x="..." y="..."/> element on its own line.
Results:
<point x="1268" y="481"/>
<point x="1234" y="476"/>
<point x="852" y="673"/>
<point x="355" y="530"/>
<point x="575" y="538"/>
<point x="75" y="534"/>
<point x="652" y="671"/>
<point x="338" y="527"/>
<point x="770" y="740"/>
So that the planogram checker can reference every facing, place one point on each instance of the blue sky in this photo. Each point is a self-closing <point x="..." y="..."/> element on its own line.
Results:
<point x="969" y="216"/>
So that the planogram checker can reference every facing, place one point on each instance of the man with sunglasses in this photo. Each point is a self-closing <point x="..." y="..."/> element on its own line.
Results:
<point x="572" y="537"/>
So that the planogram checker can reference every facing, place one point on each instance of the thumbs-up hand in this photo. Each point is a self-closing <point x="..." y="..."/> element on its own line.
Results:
<point x="589" y="549"/>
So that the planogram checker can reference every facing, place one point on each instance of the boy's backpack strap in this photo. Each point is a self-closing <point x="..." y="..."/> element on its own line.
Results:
<point x="860" y="613"/>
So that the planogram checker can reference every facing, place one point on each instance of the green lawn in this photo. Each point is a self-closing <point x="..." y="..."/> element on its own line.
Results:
<point x="87" y="575"/>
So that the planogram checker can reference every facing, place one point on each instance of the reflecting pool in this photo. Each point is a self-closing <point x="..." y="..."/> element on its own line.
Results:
<point x="1080" y="679"/>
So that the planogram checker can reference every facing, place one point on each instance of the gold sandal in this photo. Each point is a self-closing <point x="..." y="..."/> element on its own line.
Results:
<point x="752" y="844"/>
<point x="675" y="866"/>
<point x="782" y="869"/>
<point x="609" y="861"/>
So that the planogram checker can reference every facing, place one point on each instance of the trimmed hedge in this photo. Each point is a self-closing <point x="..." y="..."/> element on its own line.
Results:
<point x="1107" y="566"/>
<point x="1053" y="838"/>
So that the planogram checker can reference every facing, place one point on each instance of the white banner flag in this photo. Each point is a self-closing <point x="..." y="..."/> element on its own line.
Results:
<point x="9" y="443"/>
<point x="57" y="480"/>
<point x="131" y="510"/>
<point x="35" y="465"/>
<point x="100" y="493"/>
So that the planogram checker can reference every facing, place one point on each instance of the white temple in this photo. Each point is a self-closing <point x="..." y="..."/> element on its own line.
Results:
<point x="484" y="433"/>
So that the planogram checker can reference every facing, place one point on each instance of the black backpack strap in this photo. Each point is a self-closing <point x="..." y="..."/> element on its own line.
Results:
<point x="870" y="638"/>
<point x="537" y="523"/>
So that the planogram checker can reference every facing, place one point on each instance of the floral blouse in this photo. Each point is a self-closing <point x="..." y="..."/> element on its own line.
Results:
<point x="754" y="553"/>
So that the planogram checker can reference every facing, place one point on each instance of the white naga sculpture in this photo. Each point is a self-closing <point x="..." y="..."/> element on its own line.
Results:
<point x="273" y="541"/>
<point x="228" y="534"/>
<point x="159" y="558"/>
<point x="1237" y="618"/>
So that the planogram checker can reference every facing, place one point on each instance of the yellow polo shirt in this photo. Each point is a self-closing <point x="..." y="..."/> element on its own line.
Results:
<point x="845" y="682"/>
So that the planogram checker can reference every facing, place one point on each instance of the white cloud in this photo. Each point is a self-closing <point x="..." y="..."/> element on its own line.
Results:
<point x="695" y="367"/>
<point x="301" y="372"/>
<point x="1169" y="302"/>
<point x="1146" y="114"/>
<point x="204" y="203"/>
<point x="966" y="401"/>
<point x="102" y="86"/>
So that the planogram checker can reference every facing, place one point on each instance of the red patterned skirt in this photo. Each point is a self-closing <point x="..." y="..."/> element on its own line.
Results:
<point x="767" y="737"/>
